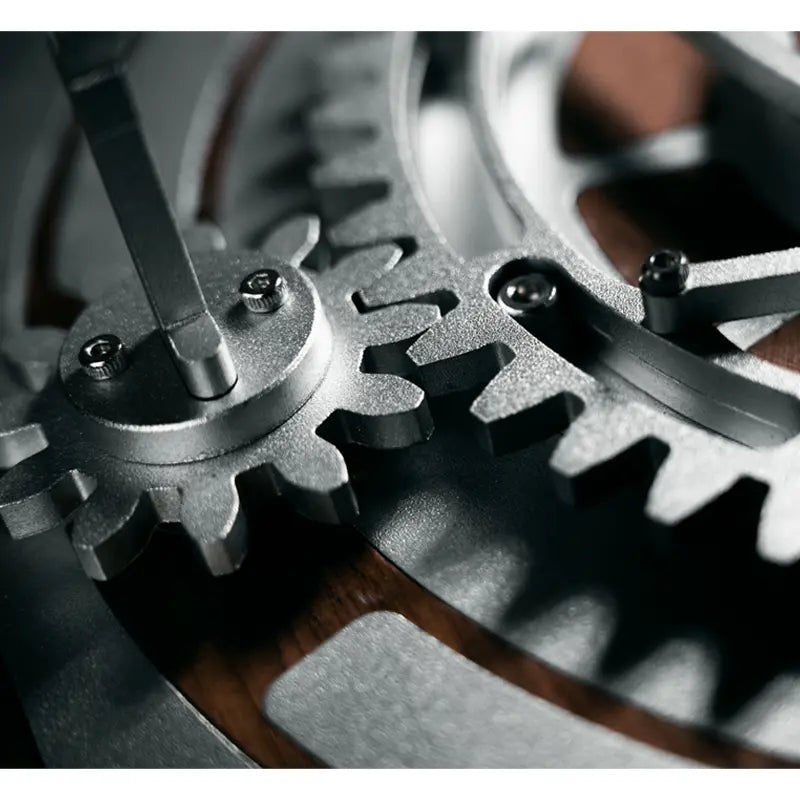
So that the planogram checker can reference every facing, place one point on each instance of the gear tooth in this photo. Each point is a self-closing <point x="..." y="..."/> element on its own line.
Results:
<point x="529" y="399"/>
<point x="604" y="447"/>
<point x="377" y="221"/>
<point x="203" y="237"/>
<point x="211" y="516"/>
<point x="36" y="497"/>
<point x="688" y="480"/>
<point x="455" y="354"/>
<point x="591" y="440"/>
<point x="403" y="283"/>
<point x="353" y="59"/>
<point x="361" y="164"/>
<point x="364" y="267"/>
<point x="363" y="47"/>
<point x="454" y="335"/>
<point x="396" y="327"/>
<point x="779" y="529"/>
<point x="341" y="114"/>
<point x="293" y="240"/>
<point x="19" y="438"/>
<point x="111" y="529"/>
<point x="385" y="411"/>
<point x="311" y="473"/>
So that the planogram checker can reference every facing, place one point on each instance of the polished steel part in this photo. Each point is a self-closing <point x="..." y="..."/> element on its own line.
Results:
<point x="531" y="390"/>
<point x="79" y="445"/>
<point x="146" y="416"/>
<point x="194" y="88"/>
<point x="750" y="286"/>
<point x="91" y="67"/>
<point x="384" y="694"/>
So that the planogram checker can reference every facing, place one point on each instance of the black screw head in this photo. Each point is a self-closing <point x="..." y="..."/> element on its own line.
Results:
<point x="103" y="357"/>
<point x="665" y="273"/>
<point x="527" y="293"/>
<point x="263" y="291"/>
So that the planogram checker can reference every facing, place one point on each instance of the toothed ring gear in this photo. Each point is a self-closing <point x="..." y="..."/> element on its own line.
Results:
<point x="732" y="418"/>
<point x="117" y="457"/>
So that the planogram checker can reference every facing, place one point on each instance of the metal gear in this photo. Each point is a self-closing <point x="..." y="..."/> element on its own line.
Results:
<point x="703" y="424"/>
<point x="115" y="492"/>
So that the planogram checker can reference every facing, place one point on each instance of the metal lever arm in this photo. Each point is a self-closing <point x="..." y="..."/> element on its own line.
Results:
<point x="91" y="68"/>
<point x="719" y="291"/>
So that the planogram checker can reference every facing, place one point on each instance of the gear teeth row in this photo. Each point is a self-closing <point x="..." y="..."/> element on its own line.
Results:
<point x="529" y="391"/>
<point x="112" y="506"/>
<point x="687" y="478"/>
<point x="37" y="495"/>
<point x="341" y="115"/>
<point x="352" y="160"/>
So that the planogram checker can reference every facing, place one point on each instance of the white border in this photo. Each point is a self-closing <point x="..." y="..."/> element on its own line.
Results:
<point x="401" y="14"/>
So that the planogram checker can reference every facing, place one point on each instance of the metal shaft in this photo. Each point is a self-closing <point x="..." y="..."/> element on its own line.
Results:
<point x="91" y="68"/>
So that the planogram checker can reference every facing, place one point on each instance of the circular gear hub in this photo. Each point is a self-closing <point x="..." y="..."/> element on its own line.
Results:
<point x="145" y="412"/>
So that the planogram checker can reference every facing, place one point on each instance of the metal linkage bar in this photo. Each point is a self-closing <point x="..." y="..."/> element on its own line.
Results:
<point x="91" y="66"/>
<point x="678" y="297"/>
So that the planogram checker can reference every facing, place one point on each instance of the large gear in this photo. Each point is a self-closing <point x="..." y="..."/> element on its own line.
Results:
<point x="733" y="417"/>
<point x="456" y="262"/>
<point x="114" y="502"/>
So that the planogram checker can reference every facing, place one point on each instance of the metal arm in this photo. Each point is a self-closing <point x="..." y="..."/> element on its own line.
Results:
<point x="91" y="66"/>
<point x="719" y="291"/>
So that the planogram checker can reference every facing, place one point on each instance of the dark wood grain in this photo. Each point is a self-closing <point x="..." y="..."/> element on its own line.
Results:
<point x="225" y="640"/>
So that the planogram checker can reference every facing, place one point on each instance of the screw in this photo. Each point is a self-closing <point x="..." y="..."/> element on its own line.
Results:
<point x="527" y="293"/>
<point x="103" y="357"/>
<point x="263" y="291"/>
<point x="665" y="273"/>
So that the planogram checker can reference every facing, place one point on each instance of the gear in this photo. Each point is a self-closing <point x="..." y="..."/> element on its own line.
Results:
<point x="723" y="420"/>
<point x="117" y="469"/>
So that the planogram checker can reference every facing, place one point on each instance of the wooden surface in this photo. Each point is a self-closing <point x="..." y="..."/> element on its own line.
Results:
<point x="225" y="640"/>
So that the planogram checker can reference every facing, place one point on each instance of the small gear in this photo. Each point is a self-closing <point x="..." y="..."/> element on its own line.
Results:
<point x="723" y="419"/>
<point x="111" y="459"/>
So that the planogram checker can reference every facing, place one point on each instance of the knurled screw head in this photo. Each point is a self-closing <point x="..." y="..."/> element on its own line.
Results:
<point x="103" y="357"/>
<point x="264" y="291"/>
<point x="665" y="273"/>
<point x="527" y="293"/>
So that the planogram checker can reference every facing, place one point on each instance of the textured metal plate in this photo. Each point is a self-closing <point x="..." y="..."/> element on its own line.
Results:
<point x="383" y="693"/>
<point x="596" y="593"/>
<point x="91" y="697"/>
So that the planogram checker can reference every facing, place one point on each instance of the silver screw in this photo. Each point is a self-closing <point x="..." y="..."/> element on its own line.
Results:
<point x="264" y="291"/>
<point x="527" y="293"/>
<point x="103" y="357"/>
